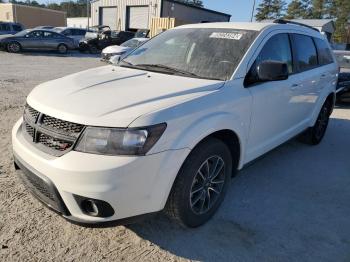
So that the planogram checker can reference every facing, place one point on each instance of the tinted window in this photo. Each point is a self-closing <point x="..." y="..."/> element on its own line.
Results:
<point x="79" y="32"/>
<point x="17" y="28"/>
<point x="35" y="34"/>
<point x="306" y="55"/>
<point x="277" y="48"/>
<point x="48" y="35"/>
<point x="5" y="27"/>
<point x="67" y="32"/>
<point x="323" y="52"/>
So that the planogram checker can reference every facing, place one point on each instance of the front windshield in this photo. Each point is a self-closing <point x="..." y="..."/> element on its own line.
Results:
<point x="193" y="52"/>
<point x="22" y="33"/>
<point x="133" y="43"/>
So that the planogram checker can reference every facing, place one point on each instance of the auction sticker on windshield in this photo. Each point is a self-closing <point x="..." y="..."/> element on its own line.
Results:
<point x="221" y="35"/>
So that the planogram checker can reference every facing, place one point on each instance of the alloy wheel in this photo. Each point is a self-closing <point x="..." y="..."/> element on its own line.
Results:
<point x="207" y="185"/>
<point x="322" y="122"/>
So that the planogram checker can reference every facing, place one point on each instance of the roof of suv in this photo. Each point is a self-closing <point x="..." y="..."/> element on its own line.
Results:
<point x="258" y="26"/>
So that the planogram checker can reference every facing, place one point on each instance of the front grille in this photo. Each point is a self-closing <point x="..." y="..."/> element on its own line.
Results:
<point x="69" y="128"/>
<point x="37" y="184"/>
<point x="54" y="143"/>
<point x="52" y="135"/>
<point x="29" y="130"/>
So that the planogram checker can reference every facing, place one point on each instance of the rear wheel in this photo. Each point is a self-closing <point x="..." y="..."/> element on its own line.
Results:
<point x="14" y="47"/>
<point x="62" y="49"/>
<point x="93" y="49"/>
<point x="315" y="134"/>
<point x="201" y="184"/>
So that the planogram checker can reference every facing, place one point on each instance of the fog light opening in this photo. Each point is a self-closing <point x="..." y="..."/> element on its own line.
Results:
<point x="90" y="207"/>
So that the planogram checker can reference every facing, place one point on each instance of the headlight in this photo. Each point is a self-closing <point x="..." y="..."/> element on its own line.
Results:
<point x="117" y="141"/>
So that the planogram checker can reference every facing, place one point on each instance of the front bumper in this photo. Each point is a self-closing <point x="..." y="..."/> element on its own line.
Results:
<point x="132" y="186"/>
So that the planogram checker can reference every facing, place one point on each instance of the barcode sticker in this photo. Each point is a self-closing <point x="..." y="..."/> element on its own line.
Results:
<point x="232" y="36"/>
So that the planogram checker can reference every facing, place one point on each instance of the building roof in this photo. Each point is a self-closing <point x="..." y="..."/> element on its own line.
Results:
<point x="198" y="7"/>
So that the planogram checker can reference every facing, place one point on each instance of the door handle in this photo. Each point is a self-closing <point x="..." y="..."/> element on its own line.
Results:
<point x="323" y="75"/>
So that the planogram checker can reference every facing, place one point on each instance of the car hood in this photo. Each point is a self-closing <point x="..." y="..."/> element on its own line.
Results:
<point x="114" y="96"/>
<point x="115" y="49"/>
<point x="5" y="36"/>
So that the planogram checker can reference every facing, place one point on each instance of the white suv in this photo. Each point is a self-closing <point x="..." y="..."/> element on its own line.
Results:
<point x="169" y="126"/>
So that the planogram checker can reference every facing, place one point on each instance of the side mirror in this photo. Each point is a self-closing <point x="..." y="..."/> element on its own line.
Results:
<point x="271" y="70"/>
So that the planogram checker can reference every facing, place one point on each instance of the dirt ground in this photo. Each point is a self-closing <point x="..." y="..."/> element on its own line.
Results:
<point x="291" y="205"/>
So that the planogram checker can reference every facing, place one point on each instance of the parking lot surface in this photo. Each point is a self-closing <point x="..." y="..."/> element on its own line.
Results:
<point x="290" y="205"/>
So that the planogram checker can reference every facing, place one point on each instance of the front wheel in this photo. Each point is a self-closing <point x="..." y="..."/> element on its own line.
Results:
<point x="201" y="184"/>
<point x="14" y="47"/>
<point x="315" y="134"/>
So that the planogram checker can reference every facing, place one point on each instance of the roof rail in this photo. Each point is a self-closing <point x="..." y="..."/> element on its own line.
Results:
<point x="283" y="21"/>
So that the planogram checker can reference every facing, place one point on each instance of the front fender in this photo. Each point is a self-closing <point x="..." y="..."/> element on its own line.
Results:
<point x="207" y="125"/>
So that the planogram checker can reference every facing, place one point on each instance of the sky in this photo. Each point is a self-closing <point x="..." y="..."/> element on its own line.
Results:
<point x="239" y="9"/>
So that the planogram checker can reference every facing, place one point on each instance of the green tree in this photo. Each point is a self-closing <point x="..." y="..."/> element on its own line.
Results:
<point x="341" y="12"/>
<point x="298" y="9"/>
<point x="318" y="9"/>
<point x="270" y="9"/>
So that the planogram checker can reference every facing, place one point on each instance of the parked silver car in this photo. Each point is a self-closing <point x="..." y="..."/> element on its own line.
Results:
<point x="37" y="39"/>
<point x="76" y="34"/>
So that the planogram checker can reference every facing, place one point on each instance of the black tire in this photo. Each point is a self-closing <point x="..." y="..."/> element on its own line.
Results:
<point x="62" y="49"/>
<point x="14" y="47"/>
<point x="181" y="205"/>
<point x="93" y="49"/>
<point x="314" y="135"/>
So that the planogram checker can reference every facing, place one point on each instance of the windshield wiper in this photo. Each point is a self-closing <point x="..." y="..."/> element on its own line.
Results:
<point x="167" y="69"/>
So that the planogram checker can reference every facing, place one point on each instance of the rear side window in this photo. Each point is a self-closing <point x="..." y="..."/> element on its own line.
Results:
<point x="323" y="52"/>
<point x="277" y="48"/>
<point x="306" y="55"/>
<point x="5" y="27"/>
<point x="17" y="28"/>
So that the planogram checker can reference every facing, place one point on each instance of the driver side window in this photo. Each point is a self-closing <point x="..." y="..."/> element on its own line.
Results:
<point x="277" y="48"/>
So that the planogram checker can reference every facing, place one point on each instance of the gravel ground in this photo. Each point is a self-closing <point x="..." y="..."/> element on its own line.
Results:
<point x="290" y="205"/>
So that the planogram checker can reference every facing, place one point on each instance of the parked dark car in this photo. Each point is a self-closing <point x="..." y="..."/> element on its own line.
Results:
<point x="343" y="87"/>
<point x="103" y="37"/>
<point x="37" y="39"/>
<point x="8" y="28"/>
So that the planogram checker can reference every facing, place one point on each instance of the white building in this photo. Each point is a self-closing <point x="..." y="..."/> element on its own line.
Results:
<point x="78" y="22"/>
<point x="137" y="14"/>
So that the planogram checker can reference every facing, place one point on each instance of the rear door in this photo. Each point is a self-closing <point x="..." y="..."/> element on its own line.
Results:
<point x="325" y="61"/>
<point x="308" y="81"/>
<point x="50" y="40"/>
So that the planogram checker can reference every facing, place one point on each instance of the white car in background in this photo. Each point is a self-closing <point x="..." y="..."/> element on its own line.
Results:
<point x="113" y="53"/>
<point x="169" y="126"/>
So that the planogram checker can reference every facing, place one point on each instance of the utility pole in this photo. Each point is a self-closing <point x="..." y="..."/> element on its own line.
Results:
<point x="87" y="13"/>
<point x="253" y="9"/>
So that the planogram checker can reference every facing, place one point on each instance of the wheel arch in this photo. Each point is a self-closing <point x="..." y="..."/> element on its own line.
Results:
<point x="329" y="97"/>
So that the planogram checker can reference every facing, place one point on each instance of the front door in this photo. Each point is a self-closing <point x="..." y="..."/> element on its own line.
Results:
<point x="273" y="111"/>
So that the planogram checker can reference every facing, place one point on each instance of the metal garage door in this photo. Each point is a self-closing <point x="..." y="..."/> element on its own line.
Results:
<point x="108" y="16"/>
<point x="138" y="17"/>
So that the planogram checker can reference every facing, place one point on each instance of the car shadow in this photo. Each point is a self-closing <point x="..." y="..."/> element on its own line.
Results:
<point x="290" y="205"/>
